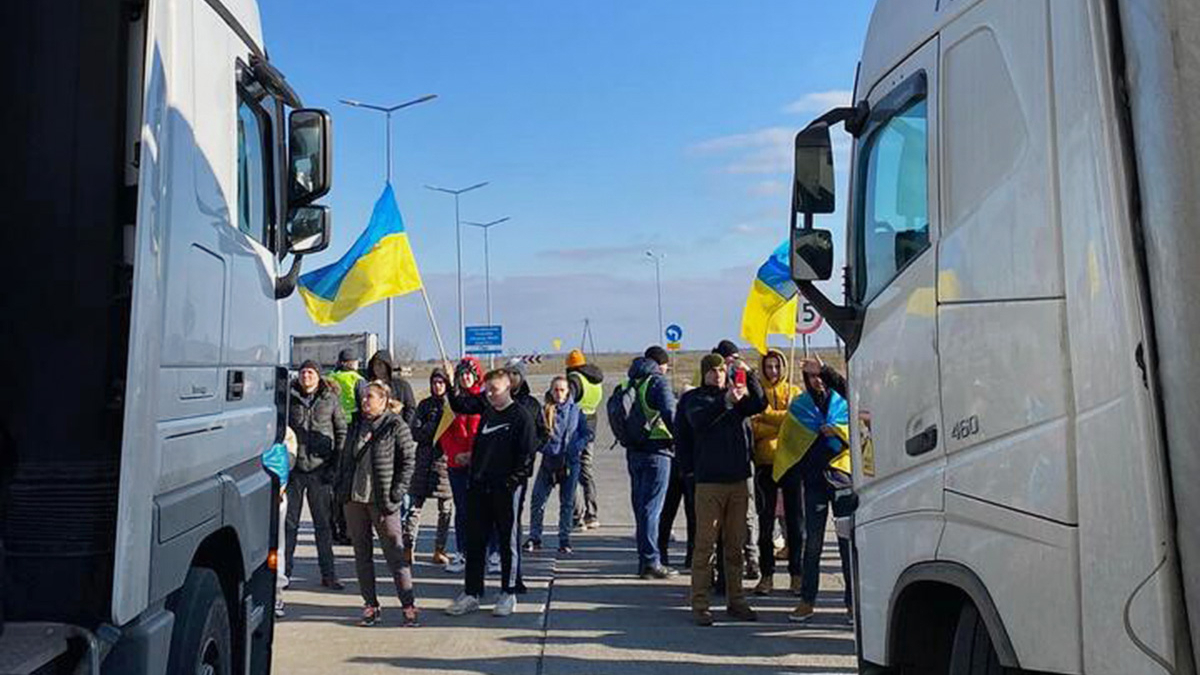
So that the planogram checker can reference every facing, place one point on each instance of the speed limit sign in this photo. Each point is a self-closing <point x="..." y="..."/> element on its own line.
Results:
<point x="809" y="321"/>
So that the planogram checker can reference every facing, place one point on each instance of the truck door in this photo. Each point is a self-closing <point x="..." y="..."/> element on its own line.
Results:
<point x="894" y="380"/>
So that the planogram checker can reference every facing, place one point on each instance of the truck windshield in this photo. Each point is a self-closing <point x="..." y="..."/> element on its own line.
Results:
<point x="893" y="221"/>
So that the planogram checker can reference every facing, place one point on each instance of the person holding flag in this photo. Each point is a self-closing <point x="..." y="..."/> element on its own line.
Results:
<point x="815" y="439"/>
<point x="430" y="478"/>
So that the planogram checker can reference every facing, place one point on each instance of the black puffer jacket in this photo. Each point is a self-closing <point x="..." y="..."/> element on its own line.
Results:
<point x="381" y="367"/>
<point x="319" y="425"/>
<point x="392" y="457"/>
<point x="430" y="478"/>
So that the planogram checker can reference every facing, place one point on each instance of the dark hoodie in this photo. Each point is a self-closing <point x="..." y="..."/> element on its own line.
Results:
<point x="430" y="478"/>
<point x="401" y="389"/>
<point x="659" y="397"/>
<point x="503" y="451"/>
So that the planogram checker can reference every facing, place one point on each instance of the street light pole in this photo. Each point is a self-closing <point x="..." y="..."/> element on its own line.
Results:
<point x="462" y="346"/>
<point x="658" y="286"/>
<point x="487" y="273"/>
<point x="387" y="111"/>
<point x="487" y="268"/>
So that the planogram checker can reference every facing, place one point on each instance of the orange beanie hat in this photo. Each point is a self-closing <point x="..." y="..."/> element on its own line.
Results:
<point x="575" y="358"/>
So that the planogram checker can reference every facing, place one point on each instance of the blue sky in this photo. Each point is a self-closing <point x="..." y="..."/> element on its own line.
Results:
<point x="605" y="129"/>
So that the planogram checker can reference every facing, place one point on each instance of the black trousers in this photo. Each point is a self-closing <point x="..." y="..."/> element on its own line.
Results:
<point x="766" y="493"/>
<point x="493" y="508"/>
<point x="317" y="486"/>
<point x="679" y="490"/>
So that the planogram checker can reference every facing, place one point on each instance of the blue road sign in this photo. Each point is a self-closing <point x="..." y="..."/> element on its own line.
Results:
<point x="484" y="336"/>
<point x="482" y="351"/>
<point x="674" y="333"/>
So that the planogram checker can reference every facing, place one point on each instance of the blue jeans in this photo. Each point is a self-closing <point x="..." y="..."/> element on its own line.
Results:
<point x="543" y="485"/>
<point x="648" y="476"/>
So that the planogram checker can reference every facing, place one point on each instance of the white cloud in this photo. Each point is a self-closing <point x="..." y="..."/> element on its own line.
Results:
<point x="767" y="188"/>
<point x="765" y="151"/>
<point x="819" y="101"/>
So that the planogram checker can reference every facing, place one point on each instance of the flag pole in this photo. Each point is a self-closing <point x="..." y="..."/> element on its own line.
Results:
<point x="792" y="359"/>
<point x="437" y="334"/>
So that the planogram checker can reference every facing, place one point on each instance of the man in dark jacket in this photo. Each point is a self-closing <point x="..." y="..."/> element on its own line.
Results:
<point x="500" y="461"/>
<point x="587" y="390"/>
<point x="649" y="462"/>
<point x="315" y="415"/>
<point x="381" y="367"/>
<point x="715" y="444"/>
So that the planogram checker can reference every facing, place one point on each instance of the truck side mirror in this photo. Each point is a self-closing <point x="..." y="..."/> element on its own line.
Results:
<point x="310" y="155"/>
<point x="812" y="184"/>
<point x="812" y="254"/>
<point x="308" y="230"/>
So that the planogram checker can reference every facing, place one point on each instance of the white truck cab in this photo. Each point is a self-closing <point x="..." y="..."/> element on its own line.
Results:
<point x="1022" y="235"/>
<point x="164" y="172"/>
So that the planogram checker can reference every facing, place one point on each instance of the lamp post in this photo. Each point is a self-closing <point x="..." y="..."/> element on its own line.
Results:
<point x="487" y="268"/>
<point x="657" y="259"/>
<point x="462" y="346"/>
<point x="487" y="272"/>
<point x="387" y="111"/>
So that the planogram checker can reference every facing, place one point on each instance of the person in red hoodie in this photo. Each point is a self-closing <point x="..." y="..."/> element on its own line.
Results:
<point x="456" y="442"/>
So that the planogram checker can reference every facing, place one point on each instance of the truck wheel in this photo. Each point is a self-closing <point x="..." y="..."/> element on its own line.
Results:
<point x="201" y="642"/>
<point x="972" y="652"/>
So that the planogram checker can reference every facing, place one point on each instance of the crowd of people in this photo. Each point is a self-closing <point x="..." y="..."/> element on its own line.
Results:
<point x="368" y="458"/>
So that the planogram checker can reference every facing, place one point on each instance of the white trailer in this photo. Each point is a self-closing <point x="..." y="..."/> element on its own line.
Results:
<point x="1022" y="242"/>
<point x="161" y="172"/>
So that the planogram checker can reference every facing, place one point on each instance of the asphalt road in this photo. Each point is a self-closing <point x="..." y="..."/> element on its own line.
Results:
<point x="584" y="614"/>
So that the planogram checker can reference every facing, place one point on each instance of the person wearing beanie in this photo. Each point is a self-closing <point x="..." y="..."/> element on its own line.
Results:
<point x="351" y="386"/>
<point x="649" y="460"/>
<point x="731" y="353"/>
<point x="315" y="416"/>
<point x="586" y="381"/>
<point x="715" y="444"/>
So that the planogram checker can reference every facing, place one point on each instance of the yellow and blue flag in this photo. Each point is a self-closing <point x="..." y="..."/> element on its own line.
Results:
<point x="801" y="431"/>
<point x="379" y="265"/>
<point x="771" y="304"/>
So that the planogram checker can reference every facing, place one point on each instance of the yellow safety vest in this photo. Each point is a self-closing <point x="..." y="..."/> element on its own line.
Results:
<point x="658" y="428"/>
<point x="593" y="393"/>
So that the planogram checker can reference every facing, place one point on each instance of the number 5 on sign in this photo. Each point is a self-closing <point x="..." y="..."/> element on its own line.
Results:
<point x="809" y="321"/>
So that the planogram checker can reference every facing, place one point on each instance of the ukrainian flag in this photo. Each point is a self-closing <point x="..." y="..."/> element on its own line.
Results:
<point x="771" y="305"/>
<point x="379" y="265"/>
<point x="802" y="428"/>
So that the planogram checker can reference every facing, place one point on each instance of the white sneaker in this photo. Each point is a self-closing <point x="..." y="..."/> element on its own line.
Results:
<point x="462" y="605"/>
<point x="493" y="565"/>
<point x="457" y="565"/>
<point x="506" y="604"/>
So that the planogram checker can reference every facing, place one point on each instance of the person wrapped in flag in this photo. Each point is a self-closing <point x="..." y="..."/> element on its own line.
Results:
<point x="815" y="441"/>
<point x="771" y="305"/>
<point x="378" y="266"/>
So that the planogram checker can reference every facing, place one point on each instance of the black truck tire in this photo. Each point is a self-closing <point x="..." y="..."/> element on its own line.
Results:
<point x="972" y="652"/>
<point x="201" y="641"/>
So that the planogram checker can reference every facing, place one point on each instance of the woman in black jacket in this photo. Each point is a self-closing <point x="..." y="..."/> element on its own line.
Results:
<point x="376" y="470"/>
<point x="430" y="479"/>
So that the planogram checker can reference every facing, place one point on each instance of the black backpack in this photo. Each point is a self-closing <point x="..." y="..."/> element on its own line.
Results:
<point x="626" y="417"/>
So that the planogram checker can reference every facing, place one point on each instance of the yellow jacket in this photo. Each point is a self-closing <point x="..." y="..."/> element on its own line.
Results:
<point x="766" y="424"/>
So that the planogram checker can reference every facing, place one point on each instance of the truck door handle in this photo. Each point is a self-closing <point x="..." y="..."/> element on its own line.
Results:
<point x="922" y="443"/>
<point x="235" y="385"/>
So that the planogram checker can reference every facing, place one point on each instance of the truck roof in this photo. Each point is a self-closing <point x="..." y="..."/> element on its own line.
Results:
<point x="897" y="29"/>
<point x="245" y="14"/>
